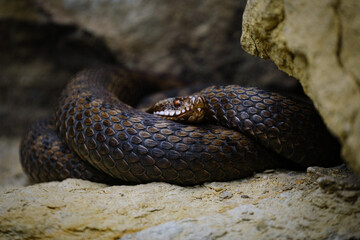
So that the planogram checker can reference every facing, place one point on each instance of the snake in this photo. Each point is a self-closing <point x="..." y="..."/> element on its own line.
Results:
<point x="221" y="133"/>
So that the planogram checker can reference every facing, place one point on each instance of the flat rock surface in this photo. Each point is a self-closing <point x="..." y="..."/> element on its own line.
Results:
<point x="276" y="204"/>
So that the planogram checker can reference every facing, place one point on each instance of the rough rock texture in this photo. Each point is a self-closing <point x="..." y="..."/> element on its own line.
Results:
<point x="277" y="204"/>
<point x="317" y="42"/>
<point x="323" y="204"/>
<point x="44" y="42"/>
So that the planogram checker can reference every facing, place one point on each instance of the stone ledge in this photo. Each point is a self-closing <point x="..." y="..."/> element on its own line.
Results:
<point x="268" y="205"/>
<point x="318" y="43"/>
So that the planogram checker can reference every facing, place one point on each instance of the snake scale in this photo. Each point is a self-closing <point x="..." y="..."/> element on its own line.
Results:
<point x="96" y="135"/>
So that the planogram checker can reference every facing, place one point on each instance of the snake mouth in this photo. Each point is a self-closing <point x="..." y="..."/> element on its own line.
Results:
<point x="177" y="113"/>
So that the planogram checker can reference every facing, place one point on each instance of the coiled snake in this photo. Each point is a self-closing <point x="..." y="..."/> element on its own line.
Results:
<point x="95" y="135"/>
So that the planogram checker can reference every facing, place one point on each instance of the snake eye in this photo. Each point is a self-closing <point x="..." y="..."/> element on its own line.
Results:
<point x="177" y="102"/>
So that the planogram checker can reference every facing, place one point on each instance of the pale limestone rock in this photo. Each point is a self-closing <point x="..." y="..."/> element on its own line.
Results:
<point x="317" y="42"/>
<point x="275" y="205"/>
<point x="271" y="205"/>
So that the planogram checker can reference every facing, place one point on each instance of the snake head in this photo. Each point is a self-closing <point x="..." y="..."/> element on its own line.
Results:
<point x="181" y="109"/>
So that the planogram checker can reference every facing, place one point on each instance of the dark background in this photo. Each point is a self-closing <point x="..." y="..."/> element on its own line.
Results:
<point x="43" y="43"/>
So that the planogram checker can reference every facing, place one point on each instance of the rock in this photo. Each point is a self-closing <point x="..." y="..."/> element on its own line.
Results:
<point x="80" y="209"/>
<point x="274" y="205"/>
<point x="196" y="40"/>
<point x="337" y="180"/>
<point x="318" y="43"/>
<point x="45" y="42"/>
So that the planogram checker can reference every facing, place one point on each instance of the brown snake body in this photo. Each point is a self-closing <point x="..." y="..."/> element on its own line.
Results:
<point x="95" y="135"/>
